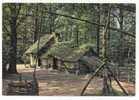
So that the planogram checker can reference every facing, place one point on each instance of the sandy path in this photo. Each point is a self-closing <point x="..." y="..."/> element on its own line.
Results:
<point x="58" y="83"/>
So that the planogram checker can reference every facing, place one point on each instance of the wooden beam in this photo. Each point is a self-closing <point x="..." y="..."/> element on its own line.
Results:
<point x="84" y="20"/>
<point x="94" y="74"/>
<point x="94" y="23"/>
<point x="124" y="91"/>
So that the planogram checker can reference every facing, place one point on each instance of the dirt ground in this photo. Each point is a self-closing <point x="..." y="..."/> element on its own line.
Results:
<point x="55" y="83"/>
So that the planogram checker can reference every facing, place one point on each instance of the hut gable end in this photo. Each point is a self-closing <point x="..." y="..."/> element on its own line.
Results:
<point x="44" y="43"/>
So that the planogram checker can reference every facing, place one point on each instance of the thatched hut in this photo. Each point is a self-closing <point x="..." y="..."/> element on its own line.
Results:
<point x="70" y="56"/>
<point x="37" y="49"/>
<point x="67" y="55"/>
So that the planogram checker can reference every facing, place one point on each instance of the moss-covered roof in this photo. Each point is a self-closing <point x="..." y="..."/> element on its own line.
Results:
<point x="43" y="41"/>
<point x="92" y="61"/>
<point x="66" y="51"/>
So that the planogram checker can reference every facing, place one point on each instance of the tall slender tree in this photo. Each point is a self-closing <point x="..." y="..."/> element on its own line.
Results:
<point x="14" y="12"/>
<point x="36" y="23"/>
<point x="98" y="29"/>
<point x="106" y="81"/>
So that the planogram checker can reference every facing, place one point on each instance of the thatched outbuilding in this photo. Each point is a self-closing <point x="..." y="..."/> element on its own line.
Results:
<point x="68" y="55"/>
<point x="71" y="56"/>
<point x="37" y="49"/>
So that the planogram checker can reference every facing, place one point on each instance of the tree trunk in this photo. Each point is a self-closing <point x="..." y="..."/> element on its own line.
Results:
<point x="51" y="19"/>
<point x="98" y="29"/>
<point x="107" y="88"/>
<point x="4" y="70"/>
<point x="106" y="81"/>
<point x="77" y="35"/>
<point x="121" y="44"/>
<point x="12" y="67"/>
<point x="36" y="24"/>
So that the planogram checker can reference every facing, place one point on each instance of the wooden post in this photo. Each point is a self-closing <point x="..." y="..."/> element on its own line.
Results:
<point x="107" y="88"/>
<point x="55" y="63"/>
<point x="124" y="91"/>
<point x="31" y="60"/>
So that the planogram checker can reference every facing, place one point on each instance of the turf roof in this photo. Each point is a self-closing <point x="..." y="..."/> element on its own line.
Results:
<point x="43" y="41"/>
<point x="92" y="61"/>
<point x="66" y="51"/>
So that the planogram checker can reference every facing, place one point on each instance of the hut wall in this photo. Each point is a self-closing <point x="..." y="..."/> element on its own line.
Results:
<point x="43" y="62"/>
<point x="46" y="62"/>
<point x="32" y="60"/>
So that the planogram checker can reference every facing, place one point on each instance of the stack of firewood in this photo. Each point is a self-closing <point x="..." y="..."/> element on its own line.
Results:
<point x="21" y="88"/>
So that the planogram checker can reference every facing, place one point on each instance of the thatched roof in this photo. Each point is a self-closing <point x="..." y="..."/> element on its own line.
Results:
<point x="43" y="41"/>
<point x="92" y="61"/>
<point x="66" y="51"/>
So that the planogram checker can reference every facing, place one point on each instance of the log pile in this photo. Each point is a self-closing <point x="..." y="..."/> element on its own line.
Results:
<point x="21" y="88"/>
